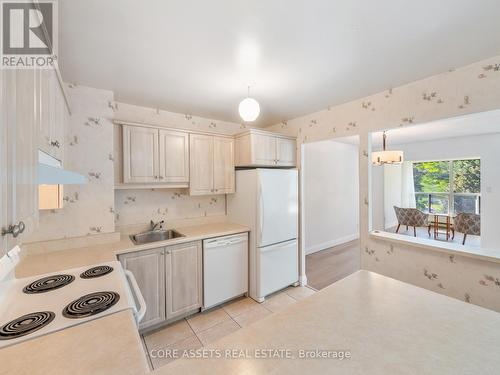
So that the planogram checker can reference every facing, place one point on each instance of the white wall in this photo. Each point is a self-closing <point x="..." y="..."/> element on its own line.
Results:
<point x="331" y="194"/>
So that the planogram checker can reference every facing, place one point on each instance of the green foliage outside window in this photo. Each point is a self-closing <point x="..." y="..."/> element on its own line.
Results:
<point x="467" y="176"/>
<point x="434" y="177"/>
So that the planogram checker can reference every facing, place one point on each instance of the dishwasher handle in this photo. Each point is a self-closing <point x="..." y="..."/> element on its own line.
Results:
<point x="219" y="242"/>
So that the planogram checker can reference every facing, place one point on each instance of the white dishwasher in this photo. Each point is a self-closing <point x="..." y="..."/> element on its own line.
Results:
<point x="225" y="269"/>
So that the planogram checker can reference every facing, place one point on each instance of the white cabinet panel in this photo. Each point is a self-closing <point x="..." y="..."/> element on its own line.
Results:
<point x="43" y="110"/>
<point x="201" y="155"/>
<point x="223" y="165"/>
<point x="148" y="268"/>
<point x="51" y="113"/>
<point x="256" y="148"/>
<point x="285" y="152"/>
<point x="18" y="148"/>
<point x="140" y="154"/>
<point x="211" y="165"/>
<point x="263" y="149"/>
<point x="183" y="278"/>
<point x="174" y="156"/>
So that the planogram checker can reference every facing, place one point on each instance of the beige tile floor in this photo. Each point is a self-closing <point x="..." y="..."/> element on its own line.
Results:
<point x="203" y="328"/>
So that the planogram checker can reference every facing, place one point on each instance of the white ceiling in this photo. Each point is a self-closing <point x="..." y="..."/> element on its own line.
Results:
<point x="463" y="126"/>
<point x="299" y="56"/>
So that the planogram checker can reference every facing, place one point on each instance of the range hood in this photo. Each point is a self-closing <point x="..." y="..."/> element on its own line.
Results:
<point x="51" y="172"/>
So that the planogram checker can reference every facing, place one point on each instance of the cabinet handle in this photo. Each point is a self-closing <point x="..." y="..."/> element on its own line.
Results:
<point x="55" y="144"/>
<point x="21" y="226"/>
<point x="168" y="252"/>
<point x="161" y="177"/>
<point x="155" y="177"/>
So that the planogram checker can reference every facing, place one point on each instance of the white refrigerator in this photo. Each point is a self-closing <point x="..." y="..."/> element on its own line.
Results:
<point x="266" y="200"/>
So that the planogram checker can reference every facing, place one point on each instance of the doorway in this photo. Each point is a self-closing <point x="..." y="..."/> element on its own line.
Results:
<point x="330" y="201"/>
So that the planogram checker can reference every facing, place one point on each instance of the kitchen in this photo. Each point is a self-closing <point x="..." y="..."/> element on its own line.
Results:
<point x="136" y="224"/>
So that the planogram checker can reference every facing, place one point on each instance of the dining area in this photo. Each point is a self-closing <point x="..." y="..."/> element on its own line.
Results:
<point x="439" y="226"/>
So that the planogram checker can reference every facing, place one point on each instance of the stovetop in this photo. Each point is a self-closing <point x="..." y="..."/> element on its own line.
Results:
<point x="43" y="304"/>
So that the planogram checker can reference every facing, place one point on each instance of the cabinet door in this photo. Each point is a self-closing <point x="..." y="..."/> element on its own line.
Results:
<point x="263" y="149"/>
<point x="201" y="165"/>
<point x="223" y="165"/>
<point x="57" y="131"/>
<point x="174" y="156"/>
<point x="43" y="109"/>
<point x="140" y="154"/>
<point x="7" y="110"/>
<point x="148" y="268"/>
<point x="183" y="278"/>
<point x="285" y="152"/>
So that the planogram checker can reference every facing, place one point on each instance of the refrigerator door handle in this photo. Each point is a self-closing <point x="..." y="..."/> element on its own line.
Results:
<point x="261" y="213"/>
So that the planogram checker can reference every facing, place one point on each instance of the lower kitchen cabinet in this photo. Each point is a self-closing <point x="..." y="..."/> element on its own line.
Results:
<point x="184" y="278"/>
<point x="148" y="267"/>
<point x="170" y="280"/>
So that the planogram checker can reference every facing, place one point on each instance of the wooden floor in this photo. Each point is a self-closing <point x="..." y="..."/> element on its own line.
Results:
<point x="327" y="266"/>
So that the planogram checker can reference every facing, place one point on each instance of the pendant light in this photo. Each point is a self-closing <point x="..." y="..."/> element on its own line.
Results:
<point x="386" y="156"/>
<point x="249" y="108"/>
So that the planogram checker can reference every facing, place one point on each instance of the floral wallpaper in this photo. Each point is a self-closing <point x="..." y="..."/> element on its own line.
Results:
<point x="469" y="89"/>
<point x="88" y="209"/>
<point x="152" y="116"/>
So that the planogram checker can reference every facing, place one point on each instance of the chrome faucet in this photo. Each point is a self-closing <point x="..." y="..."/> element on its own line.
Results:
<point x="154" y="225"/>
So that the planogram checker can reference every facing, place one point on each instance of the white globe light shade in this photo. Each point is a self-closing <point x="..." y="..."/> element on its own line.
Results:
<point x="249" y="109"/>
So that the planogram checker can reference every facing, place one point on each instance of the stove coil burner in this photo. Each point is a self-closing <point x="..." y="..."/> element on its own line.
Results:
<point x="48" y="283"/>
<point x="90" y="304"/>
<point x="26" y="324"/>
<point x="96" y="272"/>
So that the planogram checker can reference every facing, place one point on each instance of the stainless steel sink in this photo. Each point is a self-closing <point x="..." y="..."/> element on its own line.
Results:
<point x="154" y="236"/>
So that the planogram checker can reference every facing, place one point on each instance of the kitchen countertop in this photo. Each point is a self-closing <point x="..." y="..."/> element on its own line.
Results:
<point x="388" y="327"/>
<point x="35" y="264"/>
<point x="108" y="345"/>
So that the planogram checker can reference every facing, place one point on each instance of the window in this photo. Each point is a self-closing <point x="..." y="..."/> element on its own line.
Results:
<point x="448" y="187"/>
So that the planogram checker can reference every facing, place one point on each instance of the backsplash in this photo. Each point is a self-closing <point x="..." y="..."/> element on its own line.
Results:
<point x="134" y="207"/>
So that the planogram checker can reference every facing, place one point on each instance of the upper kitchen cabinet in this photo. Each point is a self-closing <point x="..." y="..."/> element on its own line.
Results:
<point x="256" y="148"/>
<point x="154" y="157"/>
<point x="52" y="113"/>
<point x="174" y="156"/>
<point x="18" y="156"/>
<point x="211" y="164"/>
<point x="141" y="158"/>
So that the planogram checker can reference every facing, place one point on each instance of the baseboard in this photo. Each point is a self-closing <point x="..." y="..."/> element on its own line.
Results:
<point x="303" y="280"/>
<point x="336" y="242"/>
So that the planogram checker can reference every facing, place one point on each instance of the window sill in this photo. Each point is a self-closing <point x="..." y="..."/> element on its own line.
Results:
<point x="489" y="255"/>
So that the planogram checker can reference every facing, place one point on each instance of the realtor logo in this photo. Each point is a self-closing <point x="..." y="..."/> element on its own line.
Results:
<point x="28" y="34"/>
